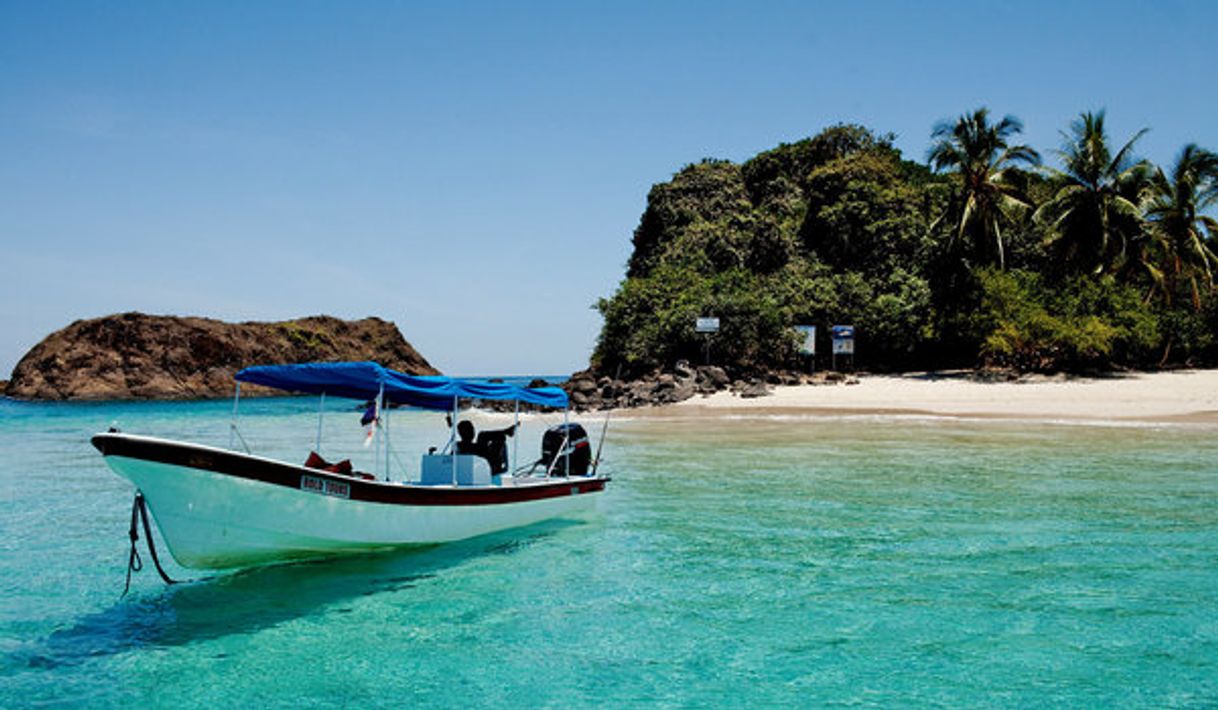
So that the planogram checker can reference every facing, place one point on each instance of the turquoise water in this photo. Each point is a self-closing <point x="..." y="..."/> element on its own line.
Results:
<point x="743" y="563"/>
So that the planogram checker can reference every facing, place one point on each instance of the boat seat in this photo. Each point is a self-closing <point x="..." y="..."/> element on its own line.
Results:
<point x="471" y="470"/>
<point x="343" y="468"/>
<point x="317" y="462"/>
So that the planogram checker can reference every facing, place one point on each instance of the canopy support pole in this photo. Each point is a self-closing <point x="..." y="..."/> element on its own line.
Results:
<point x="515" y="437"/>
<point x="566" y="450"/>
<point x="456" y="411"/>
<point x="386" y="444"/>
<point x="376" y="425"/>
<point x="321" y="411"/>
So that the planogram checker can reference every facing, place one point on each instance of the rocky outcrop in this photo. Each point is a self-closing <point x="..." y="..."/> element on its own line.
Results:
<point x="137" y="356"/>
<point x="590" y="390"/>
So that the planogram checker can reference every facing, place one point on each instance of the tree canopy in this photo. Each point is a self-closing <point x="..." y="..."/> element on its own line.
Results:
<point x="977" y="257"/>
<point x="989" y="191"/>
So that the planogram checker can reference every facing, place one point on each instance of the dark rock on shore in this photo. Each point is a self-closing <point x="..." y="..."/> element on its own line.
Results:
<point x="592" y="390"/>
<point x="753" y="389"/>
<point x="137" y="356"/>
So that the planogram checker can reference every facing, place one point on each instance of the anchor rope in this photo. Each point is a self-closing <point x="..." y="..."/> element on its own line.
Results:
<point x="139" y="514"/>
<point x="134" y="563"/>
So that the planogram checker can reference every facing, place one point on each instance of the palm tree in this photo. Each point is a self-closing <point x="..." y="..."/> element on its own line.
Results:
<point x="1176" y="213"/>
<point x="1094" y="213"/>
<point x="990" y="185"/>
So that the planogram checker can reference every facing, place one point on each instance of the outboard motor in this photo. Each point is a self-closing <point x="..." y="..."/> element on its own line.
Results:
<point x="578" y="450"/>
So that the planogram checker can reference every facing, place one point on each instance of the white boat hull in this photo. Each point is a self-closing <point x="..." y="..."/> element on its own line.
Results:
<point x="213" y="519"/>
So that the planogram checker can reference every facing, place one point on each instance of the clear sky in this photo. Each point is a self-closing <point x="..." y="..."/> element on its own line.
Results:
<point x="474" y="171"/>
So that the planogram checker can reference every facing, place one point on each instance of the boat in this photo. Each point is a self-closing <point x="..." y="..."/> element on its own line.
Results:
<point x="221" y="508"/>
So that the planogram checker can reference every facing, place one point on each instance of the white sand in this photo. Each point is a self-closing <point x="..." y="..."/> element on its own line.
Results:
<point x="1189" y="396"/>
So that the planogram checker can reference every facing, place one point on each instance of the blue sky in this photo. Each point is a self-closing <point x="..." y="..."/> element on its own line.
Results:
<point x="474" y="171"/>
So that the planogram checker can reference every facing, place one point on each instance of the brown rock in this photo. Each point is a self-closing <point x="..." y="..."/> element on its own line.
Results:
<point x="756" y="388"/>
<point x="683" y="391"/>
<point x="715" y="375"/>
<point x="586" y="385"/>
<point x="137" y="356"/>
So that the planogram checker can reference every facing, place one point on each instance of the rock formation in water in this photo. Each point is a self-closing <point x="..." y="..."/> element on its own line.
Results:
<point x="137" y="356"/>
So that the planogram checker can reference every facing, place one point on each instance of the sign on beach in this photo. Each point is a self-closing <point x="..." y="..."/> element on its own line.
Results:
<point x="707" y="326"/>
<point x="843" y="343"/>
<point x="807" y="343"/>
<point x="843" y="340"/>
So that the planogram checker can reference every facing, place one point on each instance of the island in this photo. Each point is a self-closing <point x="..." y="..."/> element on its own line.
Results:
<point x="981" y="259"/>
<point x="138" y="356"/>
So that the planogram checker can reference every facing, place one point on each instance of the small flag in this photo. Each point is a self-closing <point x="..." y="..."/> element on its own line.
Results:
<point x="370" y="414"/>
<point x="370" y="420"/>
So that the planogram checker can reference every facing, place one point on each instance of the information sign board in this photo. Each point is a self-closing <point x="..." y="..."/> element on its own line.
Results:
<point x="843" y="340"/>
<point x="807" y="341"/>
<point x="707" y="325"/>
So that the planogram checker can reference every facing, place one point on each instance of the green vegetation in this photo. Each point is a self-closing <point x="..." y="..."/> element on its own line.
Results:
<point x="989" y="191"/>
<point x="978" y="257"/>
<point x="305" y="336"/>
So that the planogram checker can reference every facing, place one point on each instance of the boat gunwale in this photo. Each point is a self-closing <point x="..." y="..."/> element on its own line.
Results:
<point x="270" y="471"/>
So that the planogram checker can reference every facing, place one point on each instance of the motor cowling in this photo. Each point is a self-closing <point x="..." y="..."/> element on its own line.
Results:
<point x="577" y="452"/>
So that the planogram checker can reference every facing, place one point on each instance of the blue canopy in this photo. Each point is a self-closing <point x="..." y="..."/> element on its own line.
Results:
<point x="364" y="380"/>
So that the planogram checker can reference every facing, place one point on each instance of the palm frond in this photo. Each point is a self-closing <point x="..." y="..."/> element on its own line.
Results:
<point x="1125" y="153"/>
<point x="986" y="176"/>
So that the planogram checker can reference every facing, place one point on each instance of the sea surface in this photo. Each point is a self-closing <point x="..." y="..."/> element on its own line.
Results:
<point x="754" y="562"/>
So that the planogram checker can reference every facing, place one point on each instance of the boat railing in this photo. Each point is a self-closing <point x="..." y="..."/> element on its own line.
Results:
<point x="384" y="451"/>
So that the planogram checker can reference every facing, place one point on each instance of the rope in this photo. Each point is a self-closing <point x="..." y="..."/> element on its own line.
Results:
<point x="134" y="563"/>
<point x="244" y="443"/>
<point x="529" y="468"/>
<point x="605" y="429"/>
<point x="563" y="452"/>
<point x="139" y="513"/>
<point x="403" y="469"/>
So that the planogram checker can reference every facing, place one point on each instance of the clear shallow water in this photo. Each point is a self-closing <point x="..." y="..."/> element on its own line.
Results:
<point x="853" y="562"/>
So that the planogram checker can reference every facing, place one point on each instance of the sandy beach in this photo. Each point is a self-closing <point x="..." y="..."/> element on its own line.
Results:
<point x="1187" y="396"/>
